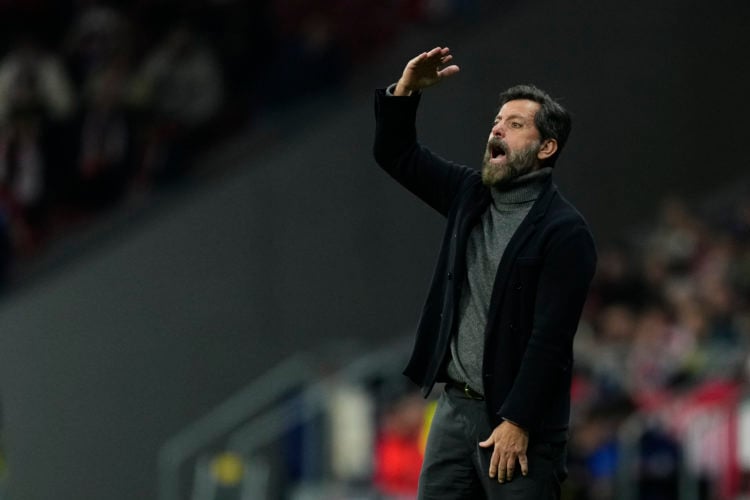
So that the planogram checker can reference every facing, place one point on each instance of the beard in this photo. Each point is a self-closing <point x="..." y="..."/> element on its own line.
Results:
<point x="517" y="163"/>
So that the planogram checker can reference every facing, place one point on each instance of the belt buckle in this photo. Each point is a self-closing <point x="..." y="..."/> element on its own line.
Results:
<point x="470" y="393"/>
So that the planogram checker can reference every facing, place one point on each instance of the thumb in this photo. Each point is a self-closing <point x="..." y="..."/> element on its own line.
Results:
<point x="487" y="442"/>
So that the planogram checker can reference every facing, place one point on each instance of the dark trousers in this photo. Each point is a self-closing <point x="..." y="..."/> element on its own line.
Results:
<point x="456" y="467"/>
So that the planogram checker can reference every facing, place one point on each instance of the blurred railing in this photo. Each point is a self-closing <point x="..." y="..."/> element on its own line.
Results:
<point x="262" y="392"/>
<point x="236" y="451"/>
<point x="301" y="434"/>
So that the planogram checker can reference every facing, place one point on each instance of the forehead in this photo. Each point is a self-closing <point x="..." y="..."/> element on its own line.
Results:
<point x="519" y="107"/>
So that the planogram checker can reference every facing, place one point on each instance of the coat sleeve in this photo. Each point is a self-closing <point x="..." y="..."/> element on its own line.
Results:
<point x="545" y="369"/>
<point x="434" y="180"/>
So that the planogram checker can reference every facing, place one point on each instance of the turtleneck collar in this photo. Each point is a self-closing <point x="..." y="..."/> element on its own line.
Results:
<point x="524" y="189"/>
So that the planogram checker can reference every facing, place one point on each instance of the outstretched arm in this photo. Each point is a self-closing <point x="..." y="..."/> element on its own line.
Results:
<point x="433" y="179"/>
<point x="425" y="70"/>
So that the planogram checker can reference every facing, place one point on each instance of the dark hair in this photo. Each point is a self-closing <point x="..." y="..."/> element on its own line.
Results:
<point x="552" y="120"/>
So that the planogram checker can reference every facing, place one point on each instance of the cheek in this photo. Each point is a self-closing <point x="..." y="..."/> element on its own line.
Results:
<point x="524" y="141"/>
<point x="514" y="144"/>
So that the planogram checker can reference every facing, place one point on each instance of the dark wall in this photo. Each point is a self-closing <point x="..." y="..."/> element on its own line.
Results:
<point x="309" y="244"/>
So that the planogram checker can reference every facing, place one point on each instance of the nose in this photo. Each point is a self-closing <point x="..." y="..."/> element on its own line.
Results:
<point x="498" y="129"/>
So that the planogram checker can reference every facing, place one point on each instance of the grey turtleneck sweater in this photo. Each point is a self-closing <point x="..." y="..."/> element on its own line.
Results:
<point x="485" y="247"/>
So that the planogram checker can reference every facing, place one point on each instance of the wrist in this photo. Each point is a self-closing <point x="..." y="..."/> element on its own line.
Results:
<point x="401" y="90"/>
<point x="515" y="425"/>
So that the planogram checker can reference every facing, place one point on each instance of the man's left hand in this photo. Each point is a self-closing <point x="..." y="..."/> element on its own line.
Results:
<point x="510" y="442"/>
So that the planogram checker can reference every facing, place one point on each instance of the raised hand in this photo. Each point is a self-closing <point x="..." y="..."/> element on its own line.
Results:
<point x="425" y="70"/>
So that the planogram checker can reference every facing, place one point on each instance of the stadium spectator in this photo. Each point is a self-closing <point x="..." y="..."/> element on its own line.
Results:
<point x="179" y="88"/>
<point x="99" y="34"/>
<point x="33" y="80"/>
<point x="104" y="156"/>
<point x="399" y="447"/>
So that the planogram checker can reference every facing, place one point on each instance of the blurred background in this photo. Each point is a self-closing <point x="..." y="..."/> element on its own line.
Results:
<point x="209" y="288"/>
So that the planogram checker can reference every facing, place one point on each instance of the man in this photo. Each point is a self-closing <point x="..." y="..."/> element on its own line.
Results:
<point x="512" y="276"/>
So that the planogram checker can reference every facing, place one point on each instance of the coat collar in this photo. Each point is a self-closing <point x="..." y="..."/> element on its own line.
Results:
<point x="542" y="204"/>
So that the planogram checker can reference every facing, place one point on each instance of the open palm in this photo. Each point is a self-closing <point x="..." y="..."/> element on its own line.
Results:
<point x="425" y="70"/>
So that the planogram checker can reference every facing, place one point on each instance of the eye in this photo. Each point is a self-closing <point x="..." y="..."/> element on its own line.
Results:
<point x="516" y="124"/>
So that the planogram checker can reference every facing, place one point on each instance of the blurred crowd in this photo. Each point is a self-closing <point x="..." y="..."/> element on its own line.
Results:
<point x="99" y="99"/>
<point x="665" y="334"/>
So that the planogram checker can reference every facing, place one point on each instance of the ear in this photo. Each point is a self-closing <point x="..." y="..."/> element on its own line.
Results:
<point x="548" y="148"/>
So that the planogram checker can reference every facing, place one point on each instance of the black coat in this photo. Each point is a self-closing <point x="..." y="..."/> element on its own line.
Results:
<point x="540" y="287"/>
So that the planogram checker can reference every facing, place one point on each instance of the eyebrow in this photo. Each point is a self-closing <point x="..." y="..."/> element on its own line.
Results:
<point x="510" y="117"/>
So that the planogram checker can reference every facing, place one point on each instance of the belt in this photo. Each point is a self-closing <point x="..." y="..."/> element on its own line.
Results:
<point x="467" y="391"/>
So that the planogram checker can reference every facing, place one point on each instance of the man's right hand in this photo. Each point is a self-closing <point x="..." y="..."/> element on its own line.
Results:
<point x="425" y="70"/>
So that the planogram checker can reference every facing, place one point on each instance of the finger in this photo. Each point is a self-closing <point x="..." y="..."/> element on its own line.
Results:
<point x="449" y="71"/>
<point x="510" y="466"/>
<point x="415" y="60"/>
<point x="437" y="57"/>
<point x="524" y="463"/>
<point x="446" y="59"/>
<point x="487" y="442"/>
<point x="421" y="57"/>
<point x="494" y="461"/>
<point x="502" y="461"/>
<point x="435" y="51"/>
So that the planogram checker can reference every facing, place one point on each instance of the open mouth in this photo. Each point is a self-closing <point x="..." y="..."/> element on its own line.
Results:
<point x="497" y="149"/>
